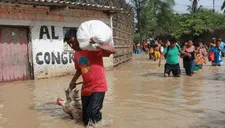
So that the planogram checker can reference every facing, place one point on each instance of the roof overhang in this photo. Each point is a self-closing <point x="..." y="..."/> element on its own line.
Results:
<point x="65" y="4"/>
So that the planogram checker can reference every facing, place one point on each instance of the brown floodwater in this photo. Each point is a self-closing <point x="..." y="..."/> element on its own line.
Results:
<point x="138" y="97"/>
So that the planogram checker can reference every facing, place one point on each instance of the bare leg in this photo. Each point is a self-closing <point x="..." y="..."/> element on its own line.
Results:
<point x="166" y="75"/>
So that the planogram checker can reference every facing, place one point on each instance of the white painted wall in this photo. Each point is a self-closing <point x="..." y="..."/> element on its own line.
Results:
<point x="38" y="48"/>
<point x="42" y="47"/>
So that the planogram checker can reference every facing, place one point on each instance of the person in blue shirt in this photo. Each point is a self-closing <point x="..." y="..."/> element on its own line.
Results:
<point x="218" y="61"/>
<point x="222" y="46"/>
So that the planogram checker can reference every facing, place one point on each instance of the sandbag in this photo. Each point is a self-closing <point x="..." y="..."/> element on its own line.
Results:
<point x="94" y="28"/>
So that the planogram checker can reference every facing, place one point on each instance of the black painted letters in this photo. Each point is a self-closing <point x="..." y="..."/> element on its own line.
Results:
<point x="64" y="59"/>
<point x="71" y="56"/>
<point x="40" y="62"/>
<point x="54" y="58"/>
<point x="44" y="31"/>
<point x="47" y="58"/>
<point x="53" y="33"/>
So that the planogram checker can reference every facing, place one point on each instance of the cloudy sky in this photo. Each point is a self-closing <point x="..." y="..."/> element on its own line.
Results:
<point x="181" y="5"/>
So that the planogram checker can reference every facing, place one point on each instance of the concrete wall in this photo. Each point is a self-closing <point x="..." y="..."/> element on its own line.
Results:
<point x="48" y="54"/>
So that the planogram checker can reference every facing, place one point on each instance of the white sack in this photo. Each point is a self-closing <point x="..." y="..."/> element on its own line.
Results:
<point x="93" y="28"/>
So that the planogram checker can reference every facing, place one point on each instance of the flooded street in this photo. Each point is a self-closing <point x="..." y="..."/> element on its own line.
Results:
<point x="138" y="97"/>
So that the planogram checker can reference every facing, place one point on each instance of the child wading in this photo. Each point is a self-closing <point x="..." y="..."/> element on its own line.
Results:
<point x="89" y="64"/>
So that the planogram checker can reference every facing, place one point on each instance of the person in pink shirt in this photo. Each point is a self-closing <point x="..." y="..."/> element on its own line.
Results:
<point x="89" y="65"/>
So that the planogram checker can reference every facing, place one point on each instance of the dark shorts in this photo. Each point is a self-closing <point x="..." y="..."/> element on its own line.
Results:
<point x="174" y="68"/>
<point x="91" y="106"/>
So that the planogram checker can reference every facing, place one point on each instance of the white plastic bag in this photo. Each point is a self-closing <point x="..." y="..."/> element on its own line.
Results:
<point x="93" y="28"/>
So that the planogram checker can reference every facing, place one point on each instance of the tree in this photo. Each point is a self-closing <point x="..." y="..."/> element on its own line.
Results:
<point x="164" y="16"/>
<point x="194" y="6"/>
<point x="190" y="26"/>
<point x="139" y="6"/>
<point x="223" y="6"/>
<point x="193" y="9"/>
<point x="156" y="17"/>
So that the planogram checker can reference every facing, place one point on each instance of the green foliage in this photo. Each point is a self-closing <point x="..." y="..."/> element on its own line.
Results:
<point x="194" y="8"/>
<point x="195" y="25"/>
<point x="155" y="17"/>
<point x="159" y="19"/>
<point x="136" y="38"/>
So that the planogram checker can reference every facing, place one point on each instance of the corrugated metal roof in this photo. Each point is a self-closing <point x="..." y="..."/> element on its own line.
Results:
<point x="65" y="3"/>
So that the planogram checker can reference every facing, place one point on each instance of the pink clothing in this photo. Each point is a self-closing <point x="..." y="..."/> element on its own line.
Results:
<point x="203" y="51"/>
<point x="145" y="45"/>
<point x="189" y="49"/>
<point x="91" y="65"/>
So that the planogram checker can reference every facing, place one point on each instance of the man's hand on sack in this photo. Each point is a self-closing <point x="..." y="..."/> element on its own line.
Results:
<point x="93" y="40"/>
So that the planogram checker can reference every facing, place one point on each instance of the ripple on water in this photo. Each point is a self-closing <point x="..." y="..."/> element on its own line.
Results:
<point x="216" y="76"/>
<point x="1" y="106"/>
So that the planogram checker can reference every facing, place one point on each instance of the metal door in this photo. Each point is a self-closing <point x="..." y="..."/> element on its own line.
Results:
<point x="13" y="54"/>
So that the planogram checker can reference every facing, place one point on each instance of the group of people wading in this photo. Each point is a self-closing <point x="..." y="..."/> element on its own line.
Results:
<point x="194" y="55"/>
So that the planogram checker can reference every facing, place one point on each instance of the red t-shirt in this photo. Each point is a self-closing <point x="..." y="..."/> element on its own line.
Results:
<point x="91" y="65"/>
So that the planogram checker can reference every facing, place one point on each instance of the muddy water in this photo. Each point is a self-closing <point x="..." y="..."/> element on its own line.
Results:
<point x="138" y="97"/>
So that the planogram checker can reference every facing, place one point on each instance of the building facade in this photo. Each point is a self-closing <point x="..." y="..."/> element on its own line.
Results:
<point x="31" y="37"/>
